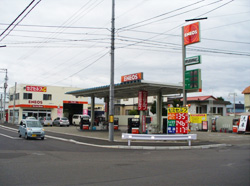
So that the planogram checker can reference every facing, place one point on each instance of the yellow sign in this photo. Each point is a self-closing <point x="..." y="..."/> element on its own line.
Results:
<point x="111" y="119"/>
<point x="178" y="110"/>
<point x="198" y="118"/>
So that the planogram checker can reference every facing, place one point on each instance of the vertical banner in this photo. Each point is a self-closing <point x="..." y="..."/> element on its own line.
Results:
<point x="59" y="112"/>
<point x="142" y="100"/>
<point x="243" y="123"/>
<point x="85" y="111"/>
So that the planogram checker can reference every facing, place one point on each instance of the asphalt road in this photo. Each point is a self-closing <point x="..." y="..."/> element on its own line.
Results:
<point x="56" y="162"/>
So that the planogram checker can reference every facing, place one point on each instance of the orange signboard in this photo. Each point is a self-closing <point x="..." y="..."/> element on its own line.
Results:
<point x="132" y="77"/>
<point x="192" y="33"/>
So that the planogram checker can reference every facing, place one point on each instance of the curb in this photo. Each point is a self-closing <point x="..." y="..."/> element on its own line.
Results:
<point x="135" y="147"/>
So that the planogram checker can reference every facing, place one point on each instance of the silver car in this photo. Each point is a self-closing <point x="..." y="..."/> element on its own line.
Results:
<point x="46" y="121"/>
<point x="30" y="128"/>
<point x="61" y="121"/>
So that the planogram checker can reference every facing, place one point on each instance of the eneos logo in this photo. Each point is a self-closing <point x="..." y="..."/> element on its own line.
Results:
<point x="192" y="33"/>
<point x="132" y="77"/>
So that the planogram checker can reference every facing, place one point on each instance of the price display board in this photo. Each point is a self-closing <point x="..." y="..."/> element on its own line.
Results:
<point x="178" y="120"/>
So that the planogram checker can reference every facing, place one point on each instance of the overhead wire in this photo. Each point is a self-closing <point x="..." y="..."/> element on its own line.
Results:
<point x="82" y="68"/>
<point x="20" y="20"/>
<point x="17" y="18"/>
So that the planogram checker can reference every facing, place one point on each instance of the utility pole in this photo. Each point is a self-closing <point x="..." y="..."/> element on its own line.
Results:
<point x="112" y="64"/>
<point x="4" y="96"/>
<point x="14" y="104"/>
<point x="233" y="94"/>
<point x="183" y="69"/>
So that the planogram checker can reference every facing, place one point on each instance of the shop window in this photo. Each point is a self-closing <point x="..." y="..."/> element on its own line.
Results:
<point x="127" y="112"/>
<point x="198" y="110"/>
<point x="47" y="97"/>
<point x="27" y="95"/>
<point x="17" y="96"/>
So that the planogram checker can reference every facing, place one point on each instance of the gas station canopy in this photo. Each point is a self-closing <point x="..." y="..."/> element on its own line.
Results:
<point x="130" y="89"/>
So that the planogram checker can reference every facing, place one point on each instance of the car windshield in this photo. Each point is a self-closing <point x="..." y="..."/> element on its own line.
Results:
<point x="33" y="124"/>
<point x="75" y="117"/>
<point x="64" y="118"/>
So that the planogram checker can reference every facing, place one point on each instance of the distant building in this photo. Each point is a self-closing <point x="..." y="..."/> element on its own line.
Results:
<point x="40" y="101"/>
<point x="246" y="93"/>
<point x="239" y="108"/>
<point x="199" y="104"/>
<point x="207" y="105"/>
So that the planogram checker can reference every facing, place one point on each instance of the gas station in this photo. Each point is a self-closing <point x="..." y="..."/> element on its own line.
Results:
<point x="131" y="87"/>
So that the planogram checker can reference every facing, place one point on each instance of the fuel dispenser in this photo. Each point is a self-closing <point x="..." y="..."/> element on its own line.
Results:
<point x="133" y="125"/>
<point x="85" y="123"/>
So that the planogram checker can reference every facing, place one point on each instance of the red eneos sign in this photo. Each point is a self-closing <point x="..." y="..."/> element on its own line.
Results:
<point x="132" y="77"/>
<point x="192" y="33"/>
<point x="143" y="100"/>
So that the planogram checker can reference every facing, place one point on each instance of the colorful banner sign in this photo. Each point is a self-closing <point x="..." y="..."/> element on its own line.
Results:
<point x="192" y="33"/>
<point x="36" y="89"/>
<point x="132" y="77"/>
<point x="178" y="120"/>
<point x="143" y="100"/>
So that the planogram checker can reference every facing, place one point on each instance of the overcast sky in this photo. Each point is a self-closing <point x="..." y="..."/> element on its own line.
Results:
<point x="67" y="43"/>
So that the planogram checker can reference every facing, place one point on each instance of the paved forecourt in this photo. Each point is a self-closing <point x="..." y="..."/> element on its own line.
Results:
<point x="100" y="139"/>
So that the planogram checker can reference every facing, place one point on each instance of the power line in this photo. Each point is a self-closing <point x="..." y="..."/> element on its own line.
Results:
<point x="17" y="18"/>
<point x="158" y="16"/>
<point x="82" y="68"/>
<point x="170" y="16"/>
<point x="22" y="18"/>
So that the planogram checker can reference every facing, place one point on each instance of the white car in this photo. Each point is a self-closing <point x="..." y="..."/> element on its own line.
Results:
<point x="76" y="119"/>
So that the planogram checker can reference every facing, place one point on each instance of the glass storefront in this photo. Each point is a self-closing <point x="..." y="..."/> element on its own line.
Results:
<point x="35" y="113"/>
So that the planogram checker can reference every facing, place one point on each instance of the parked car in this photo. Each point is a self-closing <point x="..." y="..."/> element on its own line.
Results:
<point x="76" y="119"/>
<point x="46" y="121"/>
<point x="30" y="128"/>
<point x="31" y="117"/>
<point x="60" y="121"/>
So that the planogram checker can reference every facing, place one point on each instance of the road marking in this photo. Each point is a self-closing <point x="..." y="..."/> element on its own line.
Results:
<point x="9" y="136"/>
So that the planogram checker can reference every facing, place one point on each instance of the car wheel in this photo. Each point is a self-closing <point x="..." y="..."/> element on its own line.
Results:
<point x="26" y="136"/>
<point x="67" y="125"/>
<point x="42" y="138"/>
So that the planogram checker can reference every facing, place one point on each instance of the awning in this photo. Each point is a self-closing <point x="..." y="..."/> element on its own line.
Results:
<point x="130" y="89"/>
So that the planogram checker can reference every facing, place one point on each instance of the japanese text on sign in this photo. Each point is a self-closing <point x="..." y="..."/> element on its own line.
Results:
<point x="178" y="120"/>
<point x="36" y="89"/>
<point x="142" y="100"/>
<point x="178" y="110"/>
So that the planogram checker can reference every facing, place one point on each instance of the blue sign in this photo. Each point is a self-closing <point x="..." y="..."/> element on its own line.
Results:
<point x="171" y="130"/>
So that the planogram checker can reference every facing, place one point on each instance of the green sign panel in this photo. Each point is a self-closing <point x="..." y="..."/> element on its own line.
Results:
<point x="193" y="60"/>
<point x="171" y="123"/>
<point x="193" y="79"/>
